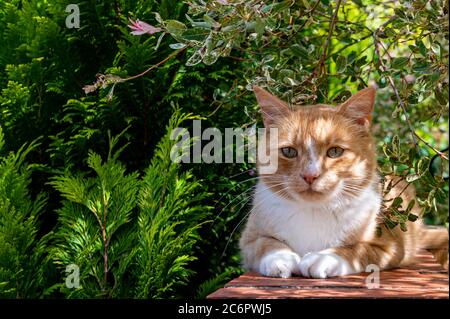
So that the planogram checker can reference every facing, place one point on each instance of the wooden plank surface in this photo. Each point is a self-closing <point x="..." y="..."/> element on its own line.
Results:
<point x="424" y="279"/>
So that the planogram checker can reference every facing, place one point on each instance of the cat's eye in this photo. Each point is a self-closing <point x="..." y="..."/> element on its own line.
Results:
<point x="335" y="152"/>
<point x="289" y="152"/>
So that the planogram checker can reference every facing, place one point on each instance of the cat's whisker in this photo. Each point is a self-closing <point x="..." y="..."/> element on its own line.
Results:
<point x="239" y="183"/>
<point x="353" y="190"/>
<point x="245" y="192"/>
<point x="232" y="201"/>
<point x="357" y="189"/>
<point x="241" y="173"/>
<point x="244" y="218"/>
<point x="352" y="193"/>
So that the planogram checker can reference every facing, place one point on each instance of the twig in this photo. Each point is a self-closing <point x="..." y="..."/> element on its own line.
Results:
<point x="237" y="58"/>
<point x="443" y="155"/>
<point x="309" y="12"/>
<point x="155" y="65"/>
<point x="351" y="44"/>
<point x="327" y="41"/>
<point x="105" y="242"/>
<point x="392" y="84"/>
<point x="388" y="21"/>
<point x="221" y="103"/>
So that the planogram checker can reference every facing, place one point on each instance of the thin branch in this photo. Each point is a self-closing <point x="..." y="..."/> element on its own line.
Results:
<point x="391" y="82"/>
<point x="351" y="44"/>
<point x="309" y="12"/>
<point x="105" y="242"/>
<point x="109" y="79"/>
<point x="389" y="21"/>
<point x="155" y="65"/>
<point x="221" y="103"/>
<point x="443" y="155"/>
<point x="328" y="40"/>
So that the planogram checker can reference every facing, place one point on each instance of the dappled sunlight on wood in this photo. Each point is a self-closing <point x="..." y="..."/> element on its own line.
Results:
<point x="424" y="279"/>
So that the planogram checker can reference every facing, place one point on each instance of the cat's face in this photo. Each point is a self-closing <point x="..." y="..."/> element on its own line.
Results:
<point x="322" y="151"/>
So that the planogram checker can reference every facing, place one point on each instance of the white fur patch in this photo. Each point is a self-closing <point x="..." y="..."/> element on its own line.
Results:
<point x="324" y="265"/>
<point x="359" y="169"/>
<point x="280" y="263"/>
<point x="313" y="165"/>
<point x="313" y="226"/>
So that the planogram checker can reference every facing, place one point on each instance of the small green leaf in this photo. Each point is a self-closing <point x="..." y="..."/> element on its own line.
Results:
<point x="212" y="23"/>
<point x="422" y="166"/>
<point x="195" y="59"/>
<point x="441" y="95"/>
<point x="410" y="206"/>
<point x="299" y="51"/>
<point x="175" y="27"/>
<point x="196" y="34"/>
<point x="211" y="57"/>
<point x="259" y="27"/>
<point x="159" y="40"/>
<point x="341" y="63"/>
<point x="378" y="231"/>
<point x="287" y="73"/>
<point x="389" y="32"/>
<point x="395" y="144"/>
<point x="412" y="217"/>
<point x="390" y="224"/>
<point x="158" y="18"/>
<point x="412" y="153"/>
<point x="177" y="46"/>
<point x="421" y="46"/>
<point x="399" y="63"/>
<point x="421" y="68"/>
<point x="351" y="57"/>
<point x="403" y="227"/>
<point x="397" y="202"/>
<point x="412" y="177"/>
<point x="281" y="6"/>
<point x="306" y="4"/>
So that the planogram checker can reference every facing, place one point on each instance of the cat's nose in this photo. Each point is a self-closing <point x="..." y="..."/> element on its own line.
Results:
<point x="310" y="178"/>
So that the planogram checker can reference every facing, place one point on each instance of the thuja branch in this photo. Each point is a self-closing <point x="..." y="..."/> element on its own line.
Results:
<point x="105" y="241"/>
<point x="102" y="224"/>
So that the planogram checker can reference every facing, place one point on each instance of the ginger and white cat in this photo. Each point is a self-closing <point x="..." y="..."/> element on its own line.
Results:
<point x="317" y="215"/>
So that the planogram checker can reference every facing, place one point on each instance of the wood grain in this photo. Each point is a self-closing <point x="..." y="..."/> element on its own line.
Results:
<point x="425" y="279"/>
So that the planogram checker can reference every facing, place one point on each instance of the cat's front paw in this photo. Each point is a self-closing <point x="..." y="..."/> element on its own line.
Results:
<point x="324" y="265"/>
<point x="281" y="263"/>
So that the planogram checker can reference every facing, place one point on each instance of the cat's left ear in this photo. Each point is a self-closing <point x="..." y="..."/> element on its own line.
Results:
<point x="359" y="106"/>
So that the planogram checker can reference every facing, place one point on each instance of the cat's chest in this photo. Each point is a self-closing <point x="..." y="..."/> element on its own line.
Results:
<point x="306" y="229"/>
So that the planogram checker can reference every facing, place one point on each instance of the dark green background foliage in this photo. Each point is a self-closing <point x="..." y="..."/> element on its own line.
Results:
<point x="100" y="191"/>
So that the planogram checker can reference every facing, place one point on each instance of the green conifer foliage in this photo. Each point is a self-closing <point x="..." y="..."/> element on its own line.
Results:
<point x="95" y="232"/>
<point x="170" y="212"/>
<point x="21" y="253"/>
<point x="129" y="237"/>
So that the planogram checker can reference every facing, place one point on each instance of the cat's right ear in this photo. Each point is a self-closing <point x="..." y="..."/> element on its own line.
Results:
<point x="359" y="106"/>
<point x="272" y="108"/>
